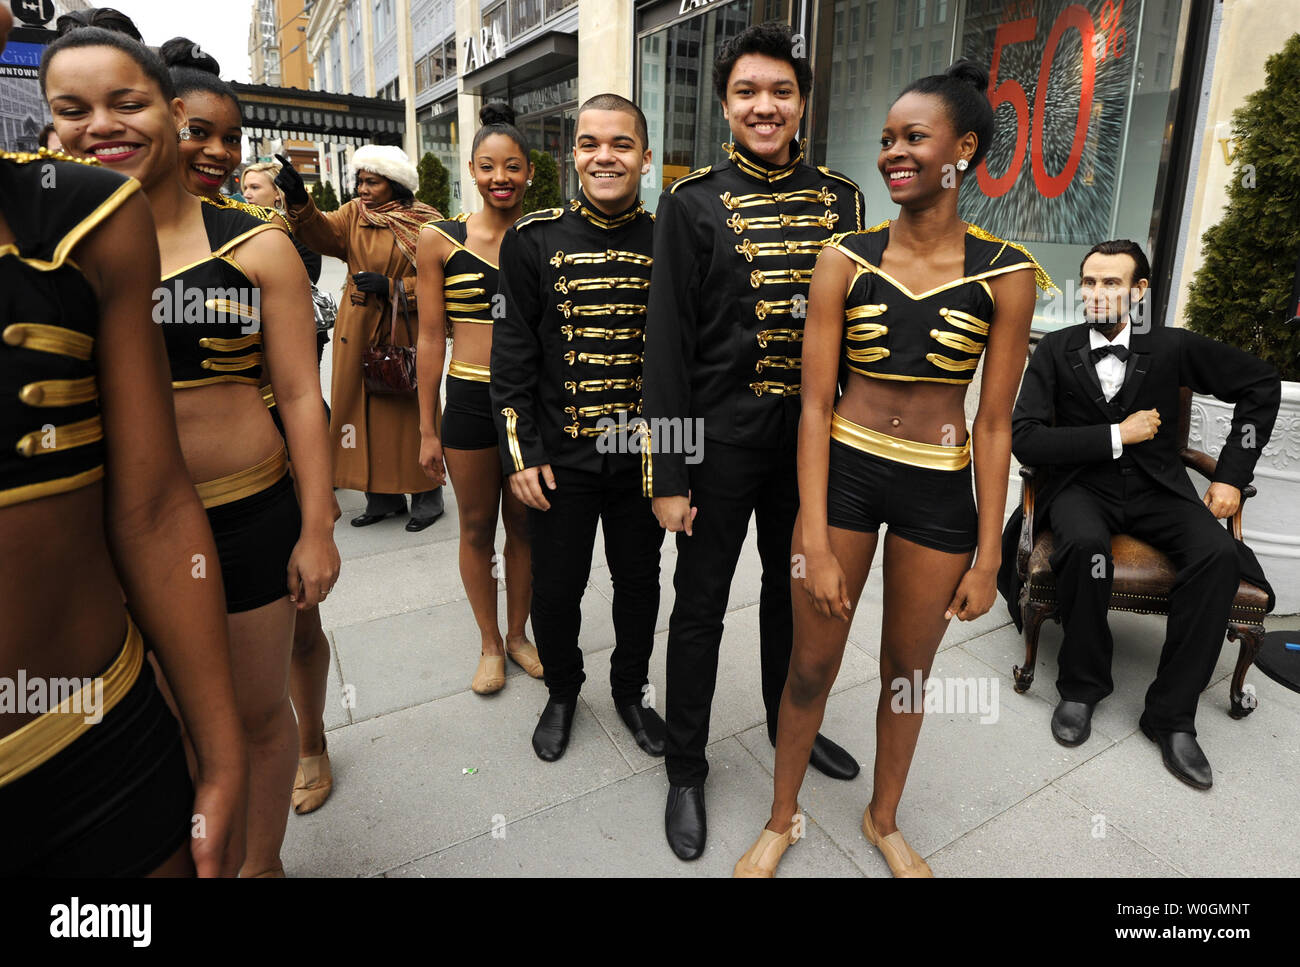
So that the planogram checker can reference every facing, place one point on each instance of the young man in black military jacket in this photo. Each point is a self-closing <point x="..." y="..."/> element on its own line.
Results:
<point x="566" y="394"/>
<point x="735" y="246"/>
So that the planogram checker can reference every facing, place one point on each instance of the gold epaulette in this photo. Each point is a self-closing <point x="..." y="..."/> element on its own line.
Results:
<point x="45" y="154"/>
<point x="837" y="238"/>
<point x="835" y="174"/>
<point x="876" y="228"/>
<point x="541" y="215"/>
<point x="1041" y="278"/>
<point x="689" y="176"/>
<point x="248" y="208"/>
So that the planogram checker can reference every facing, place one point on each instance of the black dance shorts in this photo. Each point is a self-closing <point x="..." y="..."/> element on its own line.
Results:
<point x="467" y="422"/>
<point x="117" y="801"/>
<point x="256" y="522"/>
<point x="922" y="491"/>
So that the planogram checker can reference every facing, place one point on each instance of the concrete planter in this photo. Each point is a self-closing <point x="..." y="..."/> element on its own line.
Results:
<point x="1272" y="517"/>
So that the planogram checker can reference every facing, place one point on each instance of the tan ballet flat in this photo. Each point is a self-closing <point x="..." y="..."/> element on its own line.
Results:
<point x="526" y="657"/>
<point x="905" y="862"/>
<point x="491" y="674"/>
<point x="761" y="860"/>
<point x="313" y="783"/>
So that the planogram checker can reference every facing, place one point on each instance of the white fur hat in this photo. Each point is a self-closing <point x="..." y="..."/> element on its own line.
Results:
<point x="389" y="161"/>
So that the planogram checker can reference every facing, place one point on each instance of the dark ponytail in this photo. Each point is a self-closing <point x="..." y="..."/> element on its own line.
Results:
<point x="193" y="69"/>
<point x="498" y="117"/>
<point x="963" y="87"/>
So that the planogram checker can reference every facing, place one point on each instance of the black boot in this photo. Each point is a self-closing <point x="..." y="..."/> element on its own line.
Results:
<point x="685" y="824"/>
<point x="551" y="737"/>
<point x="646" y="727"/>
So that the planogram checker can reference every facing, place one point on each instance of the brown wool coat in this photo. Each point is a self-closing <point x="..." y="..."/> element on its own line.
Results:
<point x="384" y="457"/>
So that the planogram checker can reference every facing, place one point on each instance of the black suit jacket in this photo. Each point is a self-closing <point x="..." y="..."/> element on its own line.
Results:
<point x="1061" y="422"/>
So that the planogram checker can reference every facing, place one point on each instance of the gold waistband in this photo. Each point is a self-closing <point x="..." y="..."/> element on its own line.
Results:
<point x="928" y="455"/>
<point x="44" y="737"/>
<point x="243" y="483"/>
<point x="479" y="374"/>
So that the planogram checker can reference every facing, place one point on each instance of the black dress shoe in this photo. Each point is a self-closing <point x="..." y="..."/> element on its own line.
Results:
<point x="551" y="737"/>
<point x="416" y="524"/>
<point x="828" y="758"/>
<point x="646" y="727"/>
<point x="365" y="520"/>
<point x="1183" y="756"/>
<point x="831" y="760"/>
<point x="685" y="824"/>
<point x="1072" y="722"/>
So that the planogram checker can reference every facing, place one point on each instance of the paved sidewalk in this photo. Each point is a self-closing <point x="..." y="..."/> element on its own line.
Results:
<point x="983" y="799"/>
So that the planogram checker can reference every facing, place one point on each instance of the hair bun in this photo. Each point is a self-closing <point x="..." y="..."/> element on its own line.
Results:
<point x="183" y="52"/>
<point x="971" y="73"/>
<point x="496" y="112"/>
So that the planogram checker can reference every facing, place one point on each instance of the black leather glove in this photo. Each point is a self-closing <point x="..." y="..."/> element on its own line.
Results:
<point x="291" y="183"/>
<point x="371" y="282"/>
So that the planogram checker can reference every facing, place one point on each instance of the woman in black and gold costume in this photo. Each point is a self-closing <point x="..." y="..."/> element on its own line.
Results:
<point x="456" y="272"/>
<point x="210" y="148"/>
<point x="93" y="485"/>
<point x="901" y="315"/>
<point x="232" y="289"/>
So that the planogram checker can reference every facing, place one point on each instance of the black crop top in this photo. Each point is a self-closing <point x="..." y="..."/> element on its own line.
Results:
<point x="51" y="437"/>
<point x="210" y="312"/>
<point x="936" y="336"/>
<point x="469" y="281"/>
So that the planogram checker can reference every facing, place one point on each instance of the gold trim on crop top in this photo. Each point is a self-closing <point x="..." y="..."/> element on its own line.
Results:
<point x="894" y="333"/>
<point x="226" y="346"/>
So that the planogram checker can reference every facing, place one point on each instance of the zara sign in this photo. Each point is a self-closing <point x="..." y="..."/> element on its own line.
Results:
<point x="484" y="47"/>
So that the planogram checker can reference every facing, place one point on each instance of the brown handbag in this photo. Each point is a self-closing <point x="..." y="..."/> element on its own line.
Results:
<point x="389" y="367"/>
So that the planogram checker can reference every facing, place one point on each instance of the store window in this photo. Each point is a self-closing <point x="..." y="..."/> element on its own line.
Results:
<point x="1083" y="98"/>
<point x="675" y="70"/>
<point x="438" y="136"/>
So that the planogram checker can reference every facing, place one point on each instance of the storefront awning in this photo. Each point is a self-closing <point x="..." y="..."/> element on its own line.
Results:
<point x="290" y="113"/>
<point x="547" y="54"/>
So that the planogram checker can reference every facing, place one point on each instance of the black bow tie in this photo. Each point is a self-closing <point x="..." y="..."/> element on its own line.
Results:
<point x="1119" y="352"/>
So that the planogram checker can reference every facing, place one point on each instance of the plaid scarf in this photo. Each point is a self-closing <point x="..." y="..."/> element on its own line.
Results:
<point x="404" y="221"/>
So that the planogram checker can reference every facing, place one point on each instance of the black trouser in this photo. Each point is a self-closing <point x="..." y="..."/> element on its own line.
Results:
<point x="1114" y="500"/>
<point x="562" y="541"/>
<point x="727" y="486"/>
<point x="426" y="504"/>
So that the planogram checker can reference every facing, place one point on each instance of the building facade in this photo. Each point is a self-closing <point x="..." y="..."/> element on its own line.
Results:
<point x="1101" y="104"/>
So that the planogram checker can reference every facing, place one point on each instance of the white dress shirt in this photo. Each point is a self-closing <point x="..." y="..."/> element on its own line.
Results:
<point x="1110" y="372"/>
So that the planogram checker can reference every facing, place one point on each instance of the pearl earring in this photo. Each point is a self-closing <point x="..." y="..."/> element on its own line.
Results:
<point x="962" y="164"/>
<point x="183" y="134"/>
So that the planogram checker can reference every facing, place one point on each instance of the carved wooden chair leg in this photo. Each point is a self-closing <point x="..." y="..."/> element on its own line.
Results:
<point x="1243" y="696"/>
<point x="1033" y="613"/>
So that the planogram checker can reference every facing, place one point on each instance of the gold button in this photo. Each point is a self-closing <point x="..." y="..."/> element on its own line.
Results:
<point x="32" y="394"/>
<point x="206" y="364"/>
<point x="26" y="446"/>
<point x="15" y="335"/>
<point x="943" y="311"/>
<point x="205" y="342"/>
<point x="934" y="333"/>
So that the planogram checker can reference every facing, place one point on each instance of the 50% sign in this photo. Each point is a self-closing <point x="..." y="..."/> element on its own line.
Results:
<point x="1020" y="25"/>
